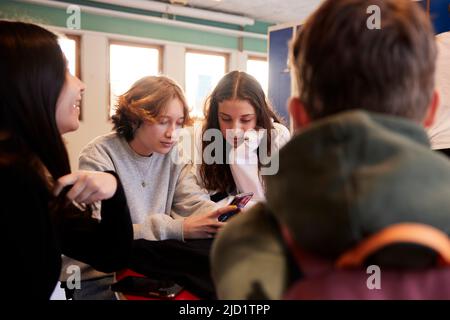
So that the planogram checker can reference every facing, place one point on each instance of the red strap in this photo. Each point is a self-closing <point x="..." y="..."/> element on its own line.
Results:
<point x="416" y="233"/>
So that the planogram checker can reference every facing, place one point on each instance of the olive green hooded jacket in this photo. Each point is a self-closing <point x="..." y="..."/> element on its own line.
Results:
<point x="343" y="178"/>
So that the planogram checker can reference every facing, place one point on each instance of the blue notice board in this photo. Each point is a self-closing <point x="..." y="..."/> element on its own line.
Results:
<point x="439" y="13"/>
<point x="279" y="75"/>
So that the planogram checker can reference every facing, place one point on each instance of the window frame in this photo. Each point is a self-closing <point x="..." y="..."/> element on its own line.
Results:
<point x="259" y="58"/>
<point x="226" y="55"/>
<point x="77" y="39"/>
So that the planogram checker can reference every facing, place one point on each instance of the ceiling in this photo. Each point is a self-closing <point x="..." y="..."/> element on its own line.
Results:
<point x="273" y="11"/>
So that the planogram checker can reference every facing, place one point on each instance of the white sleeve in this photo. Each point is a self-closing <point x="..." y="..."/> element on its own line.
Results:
<point x="245" y="165"/>
<point x="282" y="136"/>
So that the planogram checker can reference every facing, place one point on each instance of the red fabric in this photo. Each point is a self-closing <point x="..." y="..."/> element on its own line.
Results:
<point x="183" y="295"/>
<point x="352" y="285"/>
<point x="322" y="280"/>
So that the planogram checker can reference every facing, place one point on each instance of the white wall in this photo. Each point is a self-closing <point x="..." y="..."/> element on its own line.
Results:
<point x="94" y="64"/>
<point x="174" y="62"/>
<point x="95" y="74"/>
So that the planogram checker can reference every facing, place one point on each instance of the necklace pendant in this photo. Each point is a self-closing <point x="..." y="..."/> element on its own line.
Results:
<point x="143" y="184"/>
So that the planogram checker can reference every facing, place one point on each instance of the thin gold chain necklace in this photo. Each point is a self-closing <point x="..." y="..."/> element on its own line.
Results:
<point x="136" y="159"/>
<point x="143" y="176"/>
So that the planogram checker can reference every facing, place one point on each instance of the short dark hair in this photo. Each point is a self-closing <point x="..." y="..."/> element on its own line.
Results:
<point x="341" y="64"/>
<point x="145" y="101"/>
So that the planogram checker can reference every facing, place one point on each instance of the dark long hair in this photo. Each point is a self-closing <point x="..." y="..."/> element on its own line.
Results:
<point x="32" y="67"/>
<point x="234" y="85"/>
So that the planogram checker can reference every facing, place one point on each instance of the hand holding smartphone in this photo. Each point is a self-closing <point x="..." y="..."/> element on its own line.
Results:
<point x="240" y="202"/>
<point x="146" y="287"/>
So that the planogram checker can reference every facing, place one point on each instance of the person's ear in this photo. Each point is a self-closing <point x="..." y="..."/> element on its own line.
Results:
<point x="298" y="112"/>
<point x="432" y="109"/>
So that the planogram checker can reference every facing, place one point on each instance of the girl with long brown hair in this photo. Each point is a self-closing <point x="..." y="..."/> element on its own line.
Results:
<point x="236" y="107"/>
<point x="46" y="210"/>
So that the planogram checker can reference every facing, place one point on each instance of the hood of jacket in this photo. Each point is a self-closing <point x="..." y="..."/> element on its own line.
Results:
<point x="352" y="174"/>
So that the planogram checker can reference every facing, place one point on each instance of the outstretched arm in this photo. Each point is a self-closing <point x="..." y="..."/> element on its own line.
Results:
<point x="105" y="244"/>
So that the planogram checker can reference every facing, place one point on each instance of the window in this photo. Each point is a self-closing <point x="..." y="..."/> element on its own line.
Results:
<point x="128" y="63"/>
<point x="203" y="72"/>
<point x="70" y="46"/>
<point x="259" y="68"/>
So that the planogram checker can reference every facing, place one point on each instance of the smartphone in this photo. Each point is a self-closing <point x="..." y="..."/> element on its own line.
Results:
<point x="239" y="201"/>
<point x="146" y="287"/>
